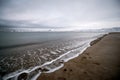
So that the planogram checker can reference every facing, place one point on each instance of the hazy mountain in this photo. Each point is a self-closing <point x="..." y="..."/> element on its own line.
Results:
<point x="11" y="28"/>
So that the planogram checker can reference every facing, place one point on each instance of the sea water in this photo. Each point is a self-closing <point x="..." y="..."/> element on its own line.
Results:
<point x="36" y="52"/>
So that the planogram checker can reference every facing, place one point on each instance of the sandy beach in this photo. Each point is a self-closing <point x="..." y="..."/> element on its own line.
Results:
<point x="98" y="62"/>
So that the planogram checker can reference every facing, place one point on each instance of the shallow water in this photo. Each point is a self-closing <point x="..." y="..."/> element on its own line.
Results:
<point x="32" y="51"/>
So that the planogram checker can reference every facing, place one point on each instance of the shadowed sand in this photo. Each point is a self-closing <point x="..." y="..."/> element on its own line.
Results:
<point x="98" y="62"/>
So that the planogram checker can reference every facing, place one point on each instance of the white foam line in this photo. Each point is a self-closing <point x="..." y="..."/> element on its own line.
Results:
<point x="76" y="55"/>
<point x="36" y="76"/>
<point x="52" y="70"/>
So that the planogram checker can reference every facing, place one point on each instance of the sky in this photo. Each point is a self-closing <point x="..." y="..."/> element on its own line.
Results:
<point x="61" y="14"/>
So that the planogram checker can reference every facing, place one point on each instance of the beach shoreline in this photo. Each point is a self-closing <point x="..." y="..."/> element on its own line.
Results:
<point x="33" y="72"/>
<point x="95" y="62"/>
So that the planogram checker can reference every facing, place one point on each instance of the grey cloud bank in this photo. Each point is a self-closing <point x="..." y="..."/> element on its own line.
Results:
<point x="71" y="14"/>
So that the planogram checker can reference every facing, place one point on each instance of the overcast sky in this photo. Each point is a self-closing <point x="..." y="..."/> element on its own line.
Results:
<point x="71" y="14"/>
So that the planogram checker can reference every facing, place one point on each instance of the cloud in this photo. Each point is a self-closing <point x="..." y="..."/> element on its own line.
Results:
<point x="62" y="13"/>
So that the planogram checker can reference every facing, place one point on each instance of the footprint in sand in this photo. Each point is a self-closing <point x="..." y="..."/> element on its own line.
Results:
<point x="96" y="63"/>
<point x="70" y="70"/>
<point x="66" y="70"/>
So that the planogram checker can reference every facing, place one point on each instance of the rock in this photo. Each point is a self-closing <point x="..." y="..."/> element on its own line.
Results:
<point x="61" y="62"/>
<point x="23" y="76"/>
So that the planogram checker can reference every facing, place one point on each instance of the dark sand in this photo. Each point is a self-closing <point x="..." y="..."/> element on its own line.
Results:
<point x="101" y="61"/>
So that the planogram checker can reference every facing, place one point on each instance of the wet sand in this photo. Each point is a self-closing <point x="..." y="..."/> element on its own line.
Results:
<point x="98" y="62"/>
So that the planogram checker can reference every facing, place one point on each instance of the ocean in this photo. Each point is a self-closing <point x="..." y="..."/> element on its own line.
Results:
<point x="32" y="53"/>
